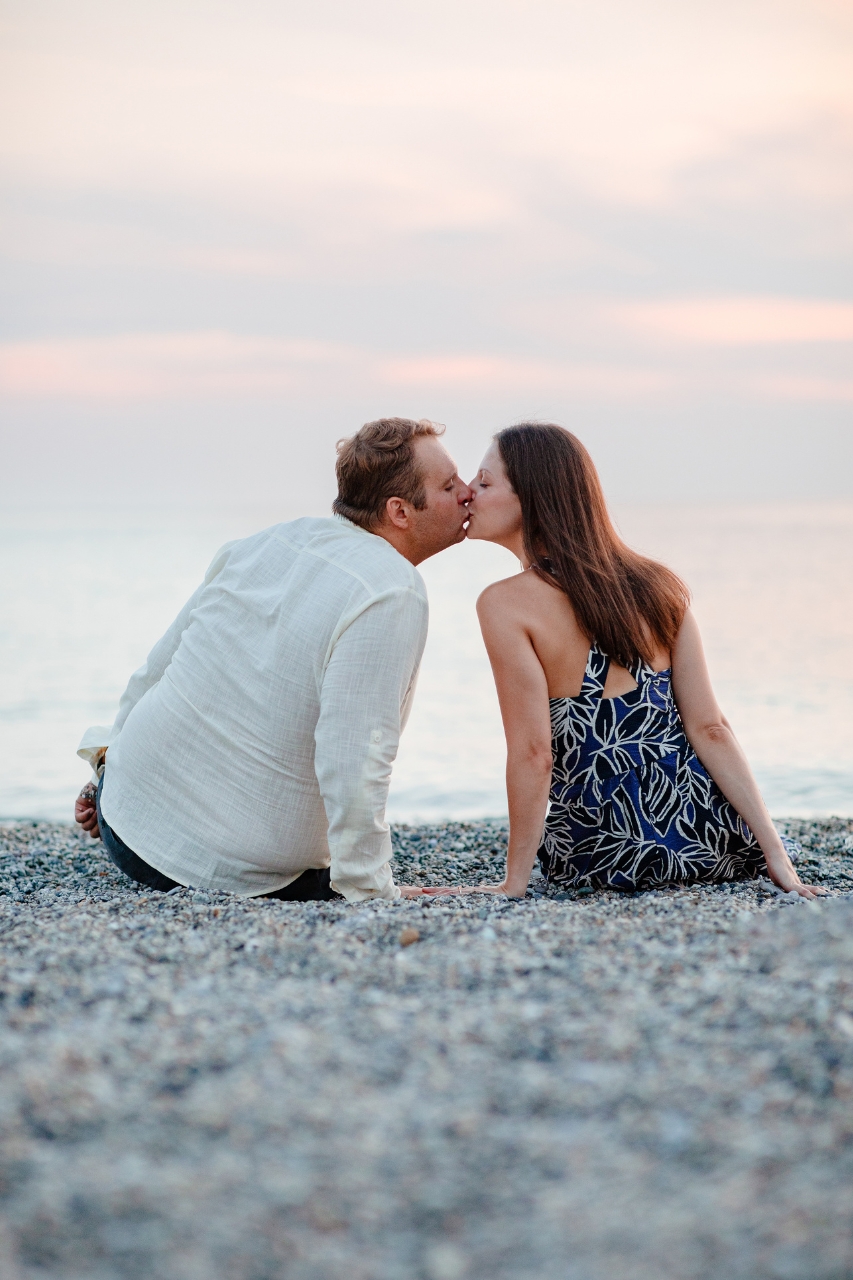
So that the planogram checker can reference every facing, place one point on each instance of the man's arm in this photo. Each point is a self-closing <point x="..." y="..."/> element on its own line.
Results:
<point x="97" y="738"/>
<point x="366" y="687"/>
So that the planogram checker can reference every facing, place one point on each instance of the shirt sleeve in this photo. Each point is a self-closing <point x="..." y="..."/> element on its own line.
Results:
<point x="97" y="738"/>
<point x="364" y="700"/>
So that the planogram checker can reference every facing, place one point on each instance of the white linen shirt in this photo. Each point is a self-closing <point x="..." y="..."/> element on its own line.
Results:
<point x="257" y="740"/>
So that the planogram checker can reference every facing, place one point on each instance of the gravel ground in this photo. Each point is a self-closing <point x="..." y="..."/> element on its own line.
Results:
<point x="576" y="1087"/>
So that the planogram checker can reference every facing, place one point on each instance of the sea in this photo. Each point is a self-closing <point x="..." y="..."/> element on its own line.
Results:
<point x="84" y="595"/>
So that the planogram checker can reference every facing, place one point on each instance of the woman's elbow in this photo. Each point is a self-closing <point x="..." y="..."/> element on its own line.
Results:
<point x="712" y="733"/>
<point x="533" y="757"/>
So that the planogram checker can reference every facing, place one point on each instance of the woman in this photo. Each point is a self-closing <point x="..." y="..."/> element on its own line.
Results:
<point x="605" y="696"/>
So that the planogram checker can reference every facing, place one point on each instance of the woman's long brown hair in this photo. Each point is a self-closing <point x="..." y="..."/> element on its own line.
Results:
<point x="627" y="603"/>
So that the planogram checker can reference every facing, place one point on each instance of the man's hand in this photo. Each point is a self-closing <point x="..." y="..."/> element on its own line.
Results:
<point x="446" y="890"/>
<point x="85" y="811"/>
<point x="410" y="891"/>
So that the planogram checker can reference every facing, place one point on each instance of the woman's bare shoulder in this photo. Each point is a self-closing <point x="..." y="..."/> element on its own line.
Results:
<point x="497" y="595"/>
<point x="523" y="591"/>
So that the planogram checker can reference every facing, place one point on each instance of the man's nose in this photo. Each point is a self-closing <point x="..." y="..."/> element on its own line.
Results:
<point x="466" y="493"/>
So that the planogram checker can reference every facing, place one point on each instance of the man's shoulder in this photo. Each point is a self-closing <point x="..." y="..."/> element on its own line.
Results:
<point x="347" y="548"/>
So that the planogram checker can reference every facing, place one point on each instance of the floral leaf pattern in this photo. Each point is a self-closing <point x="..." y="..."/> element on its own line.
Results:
<point x="631" y="805"/>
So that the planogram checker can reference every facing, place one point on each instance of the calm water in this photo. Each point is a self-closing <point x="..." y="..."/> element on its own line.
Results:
<point x="83" y="599"/>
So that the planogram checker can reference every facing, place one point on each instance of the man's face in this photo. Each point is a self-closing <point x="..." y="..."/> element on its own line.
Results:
<point x="442" y="521"/>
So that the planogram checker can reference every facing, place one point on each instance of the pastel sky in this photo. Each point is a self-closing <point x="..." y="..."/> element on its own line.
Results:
<point x="233" y="232"/>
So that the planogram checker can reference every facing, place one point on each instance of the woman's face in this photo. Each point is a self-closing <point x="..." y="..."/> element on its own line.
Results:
<point x="494" y="511"/>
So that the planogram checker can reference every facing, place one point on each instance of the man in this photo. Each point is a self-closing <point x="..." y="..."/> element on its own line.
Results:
<point x="253" y="750"/>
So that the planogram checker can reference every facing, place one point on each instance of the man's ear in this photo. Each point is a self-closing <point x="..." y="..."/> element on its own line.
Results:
<point x="397" y="513"/>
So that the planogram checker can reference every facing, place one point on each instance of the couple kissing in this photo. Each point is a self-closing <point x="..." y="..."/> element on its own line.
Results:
<point x="252" y="752"/>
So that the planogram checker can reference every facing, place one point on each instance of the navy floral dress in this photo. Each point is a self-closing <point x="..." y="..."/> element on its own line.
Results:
<point x="631" y="805"/>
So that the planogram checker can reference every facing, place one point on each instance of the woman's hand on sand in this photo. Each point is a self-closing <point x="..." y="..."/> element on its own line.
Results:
<point x="782" y="873"/>
<point x="86" y="812"/>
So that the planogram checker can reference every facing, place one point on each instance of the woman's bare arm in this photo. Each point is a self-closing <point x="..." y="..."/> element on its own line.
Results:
<point x="523" y="696"/>
<point x="712" y="739"/>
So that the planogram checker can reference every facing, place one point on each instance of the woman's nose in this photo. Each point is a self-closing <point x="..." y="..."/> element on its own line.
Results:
<point x="466" y="493"/>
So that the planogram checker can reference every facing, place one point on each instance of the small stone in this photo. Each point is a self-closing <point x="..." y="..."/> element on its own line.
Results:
<point x="845" y="1025"/>
<point x="445" y="1262"/>
<point x="408" y="936"/>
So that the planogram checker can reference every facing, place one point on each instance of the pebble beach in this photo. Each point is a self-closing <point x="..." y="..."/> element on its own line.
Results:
<point x="569" y="1086"/>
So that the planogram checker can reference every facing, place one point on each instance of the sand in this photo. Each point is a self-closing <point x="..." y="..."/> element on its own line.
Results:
<point x="583" y="1087"/>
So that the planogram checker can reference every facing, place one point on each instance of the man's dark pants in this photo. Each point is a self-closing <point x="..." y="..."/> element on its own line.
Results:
<point x="312" y="886"/>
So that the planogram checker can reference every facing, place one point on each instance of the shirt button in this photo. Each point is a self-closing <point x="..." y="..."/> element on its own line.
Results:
<point x="376" y="736"/>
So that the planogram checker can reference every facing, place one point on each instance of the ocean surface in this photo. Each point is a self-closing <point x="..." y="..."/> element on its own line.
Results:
<point x="83" y="596"/>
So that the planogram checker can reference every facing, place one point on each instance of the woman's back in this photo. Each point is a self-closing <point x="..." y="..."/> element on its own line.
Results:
<point x="560" y="644"/>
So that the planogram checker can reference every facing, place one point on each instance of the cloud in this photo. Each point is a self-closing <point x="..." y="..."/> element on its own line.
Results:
<point x="736" y="321"/>
<point x="213" y="363"/>
<point x="205" y="365"/>
<point x="425" y="118"/>
<point x="472" y="207"/>
<point x="165" y="365"/>
<point x="495" y="373"/>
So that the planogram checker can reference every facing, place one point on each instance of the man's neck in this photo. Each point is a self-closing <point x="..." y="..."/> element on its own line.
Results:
<point x="400" y="541"/>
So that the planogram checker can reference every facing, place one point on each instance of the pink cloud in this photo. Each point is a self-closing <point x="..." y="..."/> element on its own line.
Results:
<point x="505" y="373"/>
<point x="145" y="366"/>
<point x="142" y="366"/>
<point x="205" y="364"/>
<point x="737" y="321"/>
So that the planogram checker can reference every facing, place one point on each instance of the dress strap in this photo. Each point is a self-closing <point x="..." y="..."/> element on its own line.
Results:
<point x="597" y="666"/>
<point x="640" y="671"/>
